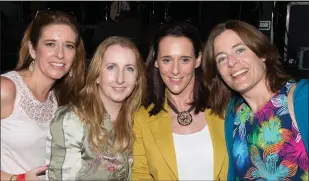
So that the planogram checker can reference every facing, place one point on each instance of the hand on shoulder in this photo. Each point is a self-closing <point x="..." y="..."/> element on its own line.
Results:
<point x="8" y="94"/>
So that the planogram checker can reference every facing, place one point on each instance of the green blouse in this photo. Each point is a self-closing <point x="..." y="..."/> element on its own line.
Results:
<point x="69" y="155"/>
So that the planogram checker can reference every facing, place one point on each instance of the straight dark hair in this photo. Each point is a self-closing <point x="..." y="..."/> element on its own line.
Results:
<point x="220" y="93"/>
<point x="156" y="86"/>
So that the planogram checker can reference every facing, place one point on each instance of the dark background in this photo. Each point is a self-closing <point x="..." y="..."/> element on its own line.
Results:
<point x="144" y="17"/>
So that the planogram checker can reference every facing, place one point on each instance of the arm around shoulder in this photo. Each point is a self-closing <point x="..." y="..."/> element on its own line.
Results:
<point x="8" y="94"/>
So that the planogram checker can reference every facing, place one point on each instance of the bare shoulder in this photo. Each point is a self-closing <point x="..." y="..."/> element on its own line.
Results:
<point x="8" y="94"/>
<point x="8" y="89"/>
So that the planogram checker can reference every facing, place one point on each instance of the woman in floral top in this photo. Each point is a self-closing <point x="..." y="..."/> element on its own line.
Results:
<point x="91" y="139"/>
<point x="267" y="117"/>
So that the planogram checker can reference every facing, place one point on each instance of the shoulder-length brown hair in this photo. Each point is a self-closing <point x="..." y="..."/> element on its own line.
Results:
<point x="66" y="87"/>
<point x="220" y="93"/>
<point x="89" y="107"/>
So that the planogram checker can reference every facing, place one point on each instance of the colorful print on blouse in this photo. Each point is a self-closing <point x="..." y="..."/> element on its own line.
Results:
<point x="107" y="164"/>
<point x="267" y="145"/>
<point x="72" y="156"/>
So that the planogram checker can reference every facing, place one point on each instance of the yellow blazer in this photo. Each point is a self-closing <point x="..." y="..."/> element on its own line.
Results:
<point x="154" y="151"/>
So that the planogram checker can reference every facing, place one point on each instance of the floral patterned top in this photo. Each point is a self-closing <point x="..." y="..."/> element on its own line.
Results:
<point x="268" y="145"/>
<point x="70" y="156"/>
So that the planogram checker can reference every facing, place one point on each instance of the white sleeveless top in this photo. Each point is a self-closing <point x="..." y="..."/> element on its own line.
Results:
<point x="194" y="155"/>
<point x="23" y="133"/>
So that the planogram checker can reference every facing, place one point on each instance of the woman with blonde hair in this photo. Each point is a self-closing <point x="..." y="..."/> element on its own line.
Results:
<point x="92" y="138"/>
<point x="50" y="71"/>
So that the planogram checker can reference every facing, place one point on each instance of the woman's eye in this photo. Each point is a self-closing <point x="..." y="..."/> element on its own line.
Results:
<point x="185" y="60"/>
<point x="240" y="50"/>
<point x="70" y="46"/>
<point x="50" y="44"/>
<point x="130" y="69"/>
<point x="220" y="59"/>
<point x="111" y="67"/>
<point x="166" y="60"/>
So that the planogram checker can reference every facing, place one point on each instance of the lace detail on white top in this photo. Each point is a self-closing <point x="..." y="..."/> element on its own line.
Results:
<point x="41" y="112"/>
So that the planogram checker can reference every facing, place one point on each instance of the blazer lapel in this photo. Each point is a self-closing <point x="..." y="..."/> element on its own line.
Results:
<point x="218" y="141"/>
<point x="161" y="129"/>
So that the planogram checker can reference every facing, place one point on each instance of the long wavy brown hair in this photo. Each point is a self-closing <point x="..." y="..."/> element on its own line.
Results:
<point x="89" y="107"/>
<point x="66" y="87"/>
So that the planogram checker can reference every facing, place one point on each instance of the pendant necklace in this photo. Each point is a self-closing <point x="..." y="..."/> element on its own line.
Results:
<point x="184" y="118"/>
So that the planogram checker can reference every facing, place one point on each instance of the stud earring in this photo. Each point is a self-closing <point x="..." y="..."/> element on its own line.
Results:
<point x="70" y="73"/>
<point x="31" y="66"/>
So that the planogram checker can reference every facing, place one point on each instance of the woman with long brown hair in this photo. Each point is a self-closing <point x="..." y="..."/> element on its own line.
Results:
<point x="50" y="71"/>
<point x="92" y="138"/>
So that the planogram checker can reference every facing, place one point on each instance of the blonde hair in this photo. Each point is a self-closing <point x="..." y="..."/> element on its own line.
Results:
<point x="89" y="107"/>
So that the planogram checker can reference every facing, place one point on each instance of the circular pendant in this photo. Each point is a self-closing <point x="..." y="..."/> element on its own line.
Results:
<point x="184" y="118"/>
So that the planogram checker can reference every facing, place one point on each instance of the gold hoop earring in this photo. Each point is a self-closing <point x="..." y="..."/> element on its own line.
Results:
<point x="70" y="73"/>
<point x="31" y="66"/>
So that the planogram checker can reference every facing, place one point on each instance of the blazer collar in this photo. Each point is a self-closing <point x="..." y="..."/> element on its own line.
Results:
<point x="218" y="142"/>
<point x="161" y="129"/>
